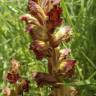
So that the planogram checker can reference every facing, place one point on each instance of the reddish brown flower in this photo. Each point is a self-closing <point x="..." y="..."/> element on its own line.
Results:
<point x="12" y="77"/>
<point x="54" y="18"/>
<point x="40" y="49"/>
<point x="66" y="68"/>
<point x="44" y="79"/>
<point x="36" y="10"/>
<point x="69" y="68"/>
<point x="46" y="5"/>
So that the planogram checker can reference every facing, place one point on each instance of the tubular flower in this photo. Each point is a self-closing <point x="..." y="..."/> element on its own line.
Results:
<point x="37" y="11"/>
<point x="54" y="19"/>
<point x="44" y="79"/>
<point x="30" y="19"/>
<point x="63" y="34"/>
<point x="36" y="34"/>
<point x="46" y="5"/>
<point x="12" y="77"/>
<point x="18" y="88"/>
<point x="66" y="68"/>
<point x="32" y="27"/>
<point x="40" y="49"/>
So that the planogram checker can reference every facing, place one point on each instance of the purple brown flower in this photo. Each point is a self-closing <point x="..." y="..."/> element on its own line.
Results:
<point x="37" y="11"/>
<point x="12" y="77"/>
<point x="66" y="68"/>
<point x="44" y="79"/>
<point x="40" y="48"/>
<point x="54" y="18"/>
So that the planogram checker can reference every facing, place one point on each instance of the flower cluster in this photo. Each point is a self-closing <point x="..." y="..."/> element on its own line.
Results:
<point x="14" y="78"/>
<point x="43" y="24"/>
<point x="13" y="74"/>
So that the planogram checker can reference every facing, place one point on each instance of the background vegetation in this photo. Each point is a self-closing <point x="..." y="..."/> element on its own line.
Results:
<point x="14" y="42"/>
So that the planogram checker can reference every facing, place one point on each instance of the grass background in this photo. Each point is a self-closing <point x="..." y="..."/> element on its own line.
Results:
<point x="14" y="42"/>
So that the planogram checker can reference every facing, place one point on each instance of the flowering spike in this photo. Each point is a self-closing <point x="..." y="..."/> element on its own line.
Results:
<point x="44" y="18"/>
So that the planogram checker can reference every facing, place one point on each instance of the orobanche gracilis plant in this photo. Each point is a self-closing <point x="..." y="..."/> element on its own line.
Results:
<point x="43" y="24"/>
